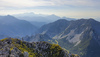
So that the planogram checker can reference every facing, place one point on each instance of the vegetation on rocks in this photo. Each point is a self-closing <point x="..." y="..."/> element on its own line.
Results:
<point x="10" y="47"/>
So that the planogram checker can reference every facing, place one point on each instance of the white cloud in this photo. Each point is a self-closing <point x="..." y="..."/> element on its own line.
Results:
<point x="23" y="3"/>
<point x="34" y="3"/>
<point x="76" y="2"/>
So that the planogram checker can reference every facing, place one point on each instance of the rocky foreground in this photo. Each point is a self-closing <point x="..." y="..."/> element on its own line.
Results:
<point x="10" y="47"/>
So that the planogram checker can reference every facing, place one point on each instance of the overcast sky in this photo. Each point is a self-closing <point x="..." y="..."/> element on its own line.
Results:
<point x="68" y="8"/>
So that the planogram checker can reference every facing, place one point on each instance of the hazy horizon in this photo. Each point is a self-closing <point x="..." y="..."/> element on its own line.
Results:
<point x="69" y="8"/>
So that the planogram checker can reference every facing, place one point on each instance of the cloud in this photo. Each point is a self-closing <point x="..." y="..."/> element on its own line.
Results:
<point x="77" y="2"/>
<point x="23" y="3"/>
<point x="35" y="3"/>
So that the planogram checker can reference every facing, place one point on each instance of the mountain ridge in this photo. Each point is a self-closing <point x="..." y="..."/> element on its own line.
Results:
<point x="12" y="27"/>
<point x="79" y="35"/>
<point x="40" y="17"/>
<point x="17" y="48"/>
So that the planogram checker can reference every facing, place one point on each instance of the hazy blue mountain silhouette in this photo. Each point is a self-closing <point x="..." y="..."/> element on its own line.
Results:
<point x="11" y="26"/>
<point x="40" y="17"/>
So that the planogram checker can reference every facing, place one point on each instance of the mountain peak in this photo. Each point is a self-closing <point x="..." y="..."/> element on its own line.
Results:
<point x="91" y="19"/>
<point x="8" y="19"/>
<point x="9" y="24"/>
<point x="17" y="48"/>
<point x="10" y="16"/>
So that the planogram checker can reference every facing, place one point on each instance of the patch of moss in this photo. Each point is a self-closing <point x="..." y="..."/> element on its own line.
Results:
<point x="3" y="39"/>
<point x="23" y="47"/>
<point x="74" y="55"/>
<point x="11" y="49"/>
<point x="56" y="50"/>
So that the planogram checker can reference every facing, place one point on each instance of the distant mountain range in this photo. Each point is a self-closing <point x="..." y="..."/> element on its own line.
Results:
<point x="13" y="27"/>
<point x="40" y="17"/>
<point x="79" y="36"/>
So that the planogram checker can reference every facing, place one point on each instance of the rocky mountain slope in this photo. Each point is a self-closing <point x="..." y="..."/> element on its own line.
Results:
<point x="79" y="36"/>
<point x="37" y="37"/>
<point x="54" y="28"/>
<point x="11" y="26"/>
<point x="10" y="47"/>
